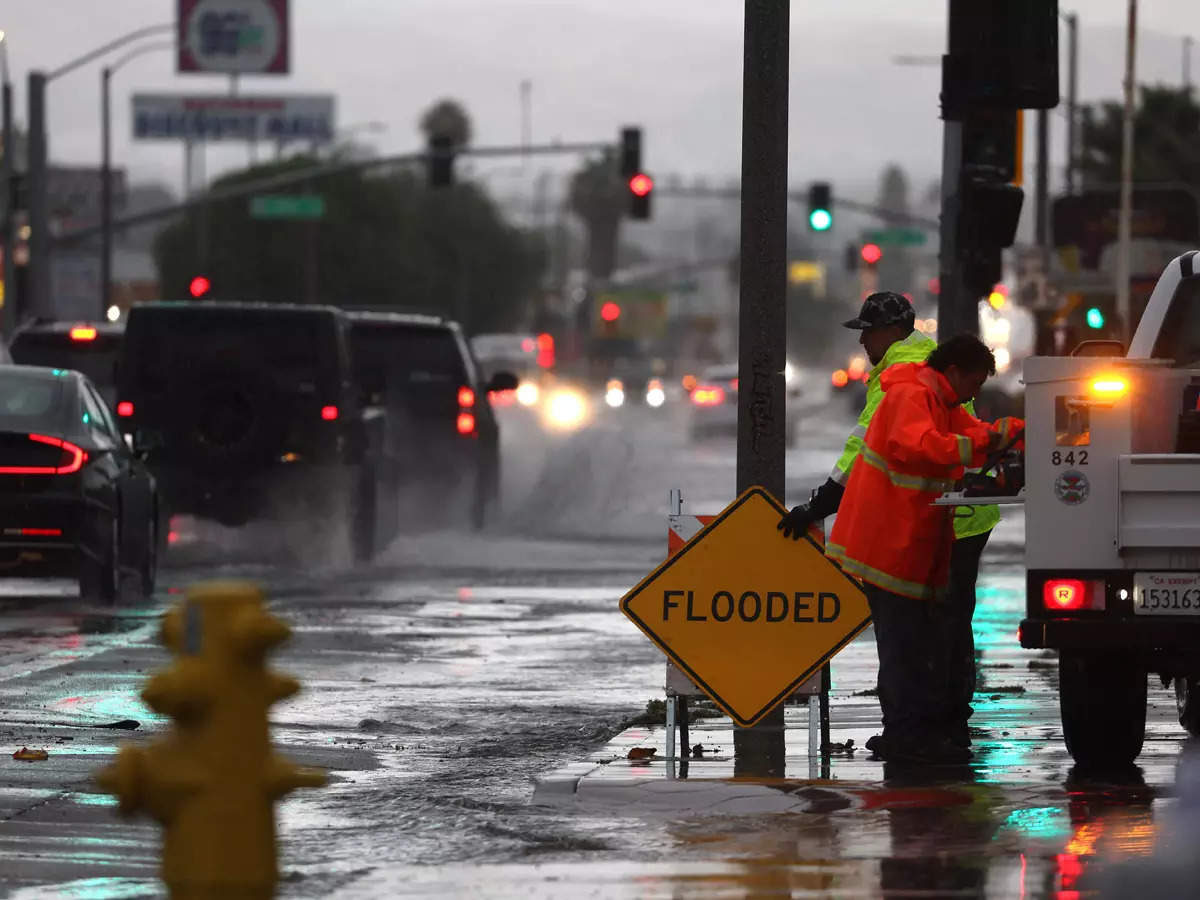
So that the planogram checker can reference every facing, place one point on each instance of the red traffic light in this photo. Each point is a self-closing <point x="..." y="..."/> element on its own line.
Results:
<point x="641" y="184"/>
<point x="871" y="254"/>
<point x="199" y="286"/>
<point x="610" y="311"/>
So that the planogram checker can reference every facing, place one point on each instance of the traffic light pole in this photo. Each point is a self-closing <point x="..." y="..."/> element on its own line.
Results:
<point x="953" y="296"/>
<point x="762" y="316"/>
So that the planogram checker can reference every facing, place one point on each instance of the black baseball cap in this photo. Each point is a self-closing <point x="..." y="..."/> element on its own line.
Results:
<point x="883" y="308"/>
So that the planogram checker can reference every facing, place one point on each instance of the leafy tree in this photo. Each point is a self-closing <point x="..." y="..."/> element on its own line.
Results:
<point x="1166" y="138"/>
<point x="385" y="240"/>
<point x="599" y="197"/>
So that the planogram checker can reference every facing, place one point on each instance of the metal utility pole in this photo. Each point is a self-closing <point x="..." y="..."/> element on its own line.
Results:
<point x="762" y="313"/>
<point x="38" y="270"/>
<point x="105" y="194"/>
<point x="1187" y="62"/>
<point x="106" y="203"/>
<point x="1125" y="222"/>
<point x="1041" y="186"/>
<point x="8" y="321"/>
<point x="951" y="289"/>
<point x="1072" y="99"/>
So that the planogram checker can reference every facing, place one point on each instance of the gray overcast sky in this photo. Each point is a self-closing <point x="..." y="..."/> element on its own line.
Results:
<point x="672" y="65"/>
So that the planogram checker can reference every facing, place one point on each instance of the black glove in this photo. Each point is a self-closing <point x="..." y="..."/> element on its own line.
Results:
<point x="824" y="503"/>
<point x="795" y="524"/>
<point x="826" y="499"/>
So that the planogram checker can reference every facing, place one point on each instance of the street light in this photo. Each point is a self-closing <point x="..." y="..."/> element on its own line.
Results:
<point x="39" y="211"/>
<point x="106" y="167"/>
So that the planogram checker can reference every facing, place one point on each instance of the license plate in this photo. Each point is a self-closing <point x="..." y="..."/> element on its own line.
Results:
<point x="1166" y="594"/>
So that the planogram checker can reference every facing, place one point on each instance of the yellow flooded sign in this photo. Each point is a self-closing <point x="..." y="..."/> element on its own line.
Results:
<point x="746" y="613"/>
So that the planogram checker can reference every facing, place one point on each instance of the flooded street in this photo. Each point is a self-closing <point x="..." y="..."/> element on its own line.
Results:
<point x="474" y="698"/>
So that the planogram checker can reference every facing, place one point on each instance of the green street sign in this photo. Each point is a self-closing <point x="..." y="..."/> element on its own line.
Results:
<point x="287" y="206"/>
<point x="895" y="237"/>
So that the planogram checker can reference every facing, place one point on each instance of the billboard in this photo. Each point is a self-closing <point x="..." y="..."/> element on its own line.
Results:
<point x="220" y="117"/>
<point x="233" y="36"/>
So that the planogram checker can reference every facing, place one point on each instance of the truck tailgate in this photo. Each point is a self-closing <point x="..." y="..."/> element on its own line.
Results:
<point x="1159" y="500"/>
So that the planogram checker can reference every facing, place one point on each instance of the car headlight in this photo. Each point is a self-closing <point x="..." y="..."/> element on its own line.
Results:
<point x="528" y="393"/>
<point x="566" y="408"/>
<point x="655" y="397"/>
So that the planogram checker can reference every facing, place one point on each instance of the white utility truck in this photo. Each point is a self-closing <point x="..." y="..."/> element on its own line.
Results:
<point x="1112" y="521"/>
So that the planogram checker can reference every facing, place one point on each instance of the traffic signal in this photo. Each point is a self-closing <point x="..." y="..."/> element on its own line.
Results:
<point x="641" y="188"/>
<point x="199" y="286"/>
<point x="212" y="780"/>
<point x="1095" y="317"/>
<point x="441" y="162"/>
<point x="820" y="206"/>
<point x="610" y="311"/>
<point x="631" y="152"/>
<point x="871" y="254"/>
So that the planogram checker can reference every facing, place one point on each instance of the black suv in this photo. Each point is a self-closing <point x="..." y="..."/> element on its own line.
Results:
<point x="442" y="438"/>
<point x="250" y="411"/>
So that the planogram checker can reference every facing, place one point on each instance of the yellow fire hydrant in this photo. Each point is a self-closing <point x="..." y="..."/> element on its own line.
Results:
<point x="212" y="780"/>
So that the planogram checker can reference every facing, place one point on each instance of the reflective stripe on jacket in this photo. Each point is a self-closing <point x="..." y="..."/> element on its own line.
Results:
<point x="968" y="520"/>
<point x="888" y="532"/>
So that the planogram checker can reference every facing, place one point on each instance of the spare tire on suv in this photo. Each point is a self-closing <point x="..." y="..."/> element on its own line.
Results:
<point x="249" y="411"/>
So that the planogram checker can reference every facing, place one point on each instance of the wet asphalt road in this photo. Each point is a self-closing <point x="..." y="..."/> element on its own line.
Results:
<point x="443" y="680"/>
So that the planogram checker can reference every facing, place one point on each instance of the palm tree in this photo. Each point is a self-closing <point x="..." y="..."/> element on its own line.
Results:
<point x="598" y="196"/>
<point x="447" y="119"/>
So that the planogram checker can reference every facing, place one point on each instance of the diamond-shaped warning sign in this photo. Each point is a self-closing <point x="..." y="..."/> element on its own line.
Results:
<point x="747" y="613"/>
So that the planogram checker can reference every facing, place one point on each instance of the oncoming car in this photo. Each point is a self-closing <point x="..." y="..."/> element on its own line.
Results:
<point x="74" y="499"/>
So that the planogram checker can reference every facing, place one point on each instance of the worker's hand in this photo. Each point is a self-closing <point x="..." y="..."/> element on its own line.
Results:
<point x="795" y="524"/>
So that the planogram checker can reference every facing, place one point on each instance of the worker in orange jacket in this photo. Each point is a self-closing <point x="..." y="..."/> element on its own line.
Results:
<point x="889" y="534"/>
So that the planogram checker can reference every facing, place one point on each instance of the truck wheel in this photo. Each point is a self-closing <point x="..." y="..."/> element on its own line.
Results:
<point x="1102" y="700"/>
<point x="1187" y="698"/>
<point x="363" y="520"/>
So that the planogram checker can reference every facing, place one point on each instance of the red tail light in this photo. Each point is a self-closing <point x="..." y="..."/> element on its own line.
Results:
<point x="840" y="378"/>
<point x="465" y="423"/>
<point x="466" y="397"/>
<point x="83" y="333"/>
<point x="329" y="413"/>
<point x="125" y="409"/>
<point x="1069" y="594"/>
<point x="72" y="459"/>
<point x="35" y="532"/>
<point x="704" y="395"/>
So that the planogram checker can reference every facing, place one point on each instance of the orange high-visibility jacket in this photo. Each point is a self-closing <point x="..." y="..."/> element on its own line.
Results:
<point x="919" y="442"/>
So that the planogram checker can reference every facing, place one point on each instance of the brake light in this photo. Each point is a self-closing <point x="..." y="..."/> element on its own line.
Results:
<point x="465" y="423"/>
<point x="840" y="378"/>
<point x="34" y="532"/>
<point x="733" y="385"/>
<point x="708" y="396"/>
<point x="329" y="413"/>
<point x="125" y="409"/>
<point x="72" y="461"/>
<point x="1070" y="594"/>
<point x="83" y="333"/>
<point x="466" y="397"/>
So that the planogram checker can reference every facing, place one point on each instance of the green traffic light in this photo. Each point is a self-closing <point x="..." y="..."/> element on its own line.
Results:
<point x="820" y="220"/>
<point x="1095" y="318"/>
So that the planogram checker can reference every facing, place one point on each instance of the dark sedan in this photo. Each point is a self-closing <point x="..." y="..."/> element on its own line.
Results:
<point x="74" y="499"/>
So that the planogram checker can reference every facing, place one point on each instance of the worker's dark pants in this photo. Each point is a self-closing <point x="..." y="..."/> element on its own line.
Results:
<point x="908" y="638"/>
<point x="958" y="637"/>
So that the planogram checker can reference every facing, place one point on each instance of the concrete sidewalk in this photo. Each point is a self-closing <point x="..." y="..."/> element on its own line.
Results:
<point x="608" y="781"/>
